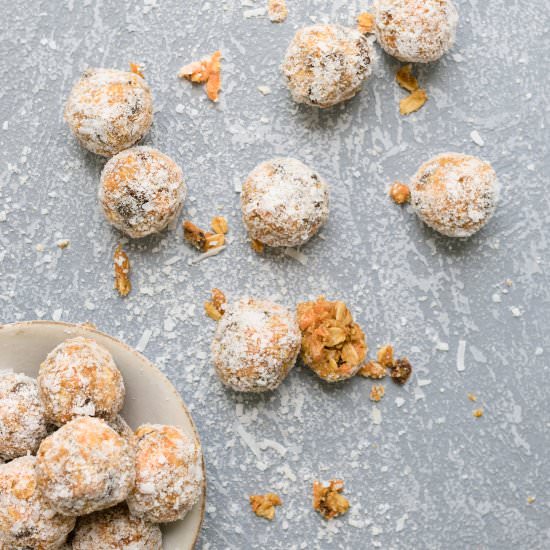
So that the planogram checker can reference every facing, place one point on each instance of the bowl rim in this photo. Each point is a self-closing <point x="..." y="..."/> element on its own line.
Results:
<point x="92" y="329"/>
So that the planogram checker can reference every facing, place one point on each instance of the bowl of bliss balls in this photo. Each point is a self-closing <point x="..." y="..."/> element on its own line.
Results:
<point x="97" y="449"/>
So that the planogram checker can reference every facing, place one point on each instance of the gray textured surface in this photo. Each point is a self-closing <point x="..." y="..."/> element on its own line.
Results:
<point x="429" y="475"/>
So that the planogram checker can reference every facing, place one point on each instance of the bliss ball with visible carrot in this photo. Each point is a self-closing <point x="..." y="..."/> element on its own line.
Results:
<point x="415" y="31"/>
<point x="80" y="378"/>
<point x="109" y="110"/>
<point x="141" y="191"/>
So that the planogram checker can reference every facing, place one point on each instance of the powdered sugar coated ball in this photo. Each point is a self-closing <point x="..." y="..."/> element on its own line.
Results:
<point x="255" y="345"/>
<point x="79" y="378"/>
<point x="141" y="191"/>
<point x="109" y="110"/>
<point x="27" y="520"/>
<point x="327" y="64"/>
<point x="455" y="194"/>
<point x="22" y="417"/>
<point x="85" y="466"/>
<point x="416" y="31"/>
<point x="169" y="474"/>
<point x="284" y="202"/>
<point x="116" y="529"/>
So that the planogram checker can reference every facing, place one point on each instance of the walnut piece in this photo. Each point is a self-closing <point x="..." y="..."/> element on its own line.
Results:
<point x="136" y="68"/>
<point x="413" y="102"/>
<point x="401" y="371"/>
<point x="400" y="193"/>
<point x="377" y="392"/>
<point x="219" y="225"/>
<point x="216" y="308"/>
<point x="385" y="356"/>
<point x="277" y="10"/>
<point x="373" y="370"/>
<point x="333" y="345"/>
<point x="328" y="500"/>
<point x="200" y="239"/>
<point x="406" y="79"/>
<point x="122" y="271"/>
<point x="365" y="22"/>
<point x="264" y="505"/>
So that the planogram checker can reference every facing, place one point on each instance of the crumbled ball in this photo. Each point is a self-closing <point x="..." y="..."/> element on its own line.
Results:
<point x="401" y="371"/>
<point x="122" y="272"/>
<point x="373" y="370"/>
<point x="277" y="10"/>
<point x="257" y="246"/>
<point x="377" y="392"/>
<point x="215" y="308"/>
<point x="136" y="68"/>
<point x="472" y="397"/>
<point x="406" y="79"/>
<point x="328" y="500"/>
<point x="400" y="193"/>
<point x="478" y="413"/>
<point x="333" y="345"/>
<point x="219" y="225"/>
<point x="264" y="505"/>
<point x="365" y="22"/>
<point x="413" y="102"/>
<point x="385" y="356"/>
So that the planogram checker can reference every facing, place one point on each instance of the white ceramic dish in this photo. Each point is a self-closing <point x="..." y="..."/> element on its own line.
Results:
<point x="150" y="397"/>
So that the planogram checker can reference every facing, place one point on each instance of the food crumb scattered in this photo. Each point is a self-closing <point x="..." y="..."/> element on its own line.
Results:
<point x="400" y="193"/>
<point x="376" y="393"/>
<point x="365" y="22"/>
<point x="264" y="505"/>
<point x="406" y="79"/>
<point x="257" y="246"/>
<point x="373" y="370"/>
<point x="328" y="500"/>
<point x="401" y="371"/>
<point x="136" y="68"/>
<point x="219" y="225"/>
<point x="215" y="308"/>
<point x="413" y="102"/>
<point x="472" y="397"/>
<point x="122" y="272"/>
<point x="385" y="356"/>
<point x="207" y="71"/>
<point x="264" y="90"/>
<point x="478" y="413"/>
<point x="531" y="499"/>
<point x="63" y="243"/>
<point x="277" y="11"/>
<point x="200" y="239"/>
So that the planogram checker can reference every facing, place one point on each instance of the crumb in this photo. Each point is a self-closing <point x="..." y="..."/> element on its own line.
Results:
<point x="264" y="505"/>
<point x="385" y="356"/>
<point x="257" y="246"/>
<point x="400" y="193"/>
<point x="365" y="22"/>
<point x="219" y="225"/>
<point x="373" y="370"/>
<point x="401" y="371"/>
<point x="328" y="501"/>
<point x="196" y="72"/>
<point x="215" y="308"/>
<point x="277" y="10"/>
<point x="214" y="82"/>
<point x="136" y="68"/>
<point x="472" y="397"/>
<point x="195" y="235"/>
<point x="377" y="392"/>
<point x="63" y="243"/>
<point x="413" y="102"/>
<point x="406" y="79"/>
<point x="122" y="272"/>
<point x="215" y="241"/>
<point x="531" y="499"/>
<point x="478" y="413"/>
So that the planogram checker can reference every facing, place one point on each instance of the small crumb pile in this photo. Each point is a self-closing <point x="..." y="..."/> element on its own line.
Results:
<point x="208" y="72"/>
<point x="216" y="307"/>
<point x="208" y="242"/>
<point x="328" y="500"/>
<point x="400" y="370"/>
<point x="264" y="505"/>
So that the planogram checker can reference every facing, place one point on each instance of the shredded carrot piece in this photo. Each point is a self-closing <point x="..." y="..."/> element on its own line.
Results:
<point x="214" y="83"/>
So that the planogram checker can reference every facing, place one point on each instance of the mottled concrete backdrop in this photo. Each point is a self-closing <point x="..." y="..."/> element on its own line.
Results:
<point x="420" y="471"/>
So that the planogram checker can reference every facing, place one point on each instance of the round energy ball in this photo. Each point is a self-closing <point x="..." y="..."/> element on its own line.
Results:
<point x="27" y="520"/>
<point x="255" y="345"/>
<point x="455" y="194"/>
<point x="85" y="466"/>
<point x="109" y="110"/>
<point x="141" y="191"/>
<point x="327" y="64"/>
<point x="415" y="31"/>
<point x="23" y="422"/>
<point x="79" y="378"/>
<point x="284" y="202"/>
<point x="116" y="529"/>
<point x="169" y="476"/>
